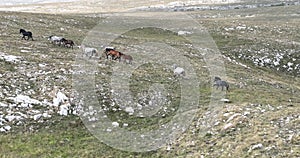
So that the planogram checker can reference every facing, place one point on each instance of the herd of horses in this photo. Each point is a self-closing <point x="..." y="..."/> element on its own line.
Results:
<point x="53" y="39"/>
<point x="109" y="52"/>
<point x="61" y="41"/>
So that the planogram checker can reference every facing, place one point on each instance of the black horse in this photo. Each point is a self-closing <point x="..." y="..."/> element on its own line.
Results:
<point x="26" y="33"/>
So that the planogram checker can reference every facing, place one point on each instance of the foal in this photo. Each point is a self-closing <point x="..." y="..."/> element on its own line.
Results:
<point x="26" y="33"/>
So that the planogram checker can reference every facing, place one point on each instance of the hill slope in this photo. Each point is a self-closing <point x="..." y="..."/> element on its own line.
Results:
<point x="261" y="120"/>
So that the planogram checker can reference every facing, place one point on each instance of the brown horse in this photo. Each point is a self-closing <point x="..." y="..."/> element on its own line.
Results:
<point x="127" y="58"/>
<point x="106" y="51"/>
<point x="67" y="43"/>
<point x="113" y="53"/>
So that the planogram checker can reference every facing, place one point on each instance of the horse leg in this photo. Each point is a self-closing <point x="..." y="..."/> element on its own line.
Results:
<point x="109" y="54"/>
<point x="113" y="57"/>
<point x="118" y="57"/>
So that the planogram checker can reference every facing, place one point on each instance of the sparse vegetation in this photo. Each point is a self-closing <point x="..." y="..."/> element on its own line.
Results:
<point x="262" y="119"/>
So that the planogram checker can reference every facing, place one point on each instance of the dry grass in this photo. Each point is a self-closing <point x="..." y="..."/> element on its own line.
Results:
<point x="264" y="108"/>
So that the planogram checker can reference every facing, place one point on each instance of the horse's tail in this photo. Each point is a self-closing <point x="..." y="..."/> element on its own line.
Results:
<point x="72" y="44"/>
<point x="30" y="35"/>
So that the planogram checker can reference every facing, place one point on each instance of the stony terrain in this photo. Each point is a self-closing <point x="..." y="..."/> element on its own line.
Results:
<point x="39" y="107"/>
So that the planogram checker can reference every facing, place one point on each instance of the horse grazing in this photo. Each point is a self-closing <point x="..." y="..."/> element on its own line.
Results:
<point x="126" y="58"/>
<point x="26" y="33"/>
<point x="67" y="43"/>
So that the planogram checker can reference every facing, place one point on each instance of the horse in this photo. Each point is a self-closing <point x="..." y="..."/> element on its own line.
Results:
<point x="126" y="58"/>
<point x="107" y="49"/>
<point x="26" y="33"/>
<point x="55" y="39"/>
<point x="221" y="83"/>
<point x="88" y="51"/>
<point x="178" y="71"/>
<point x="67" y="43"/>
<point x="114" y="54"/>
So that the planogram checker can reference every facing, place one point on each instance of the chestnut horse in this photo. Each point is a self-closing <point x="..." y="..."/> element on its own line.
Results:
<point x="113" y="53"/>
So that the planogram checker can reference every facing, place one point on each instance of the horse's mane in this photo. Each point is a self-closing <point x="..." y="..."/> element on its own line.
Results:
<point x="22" y="30"/>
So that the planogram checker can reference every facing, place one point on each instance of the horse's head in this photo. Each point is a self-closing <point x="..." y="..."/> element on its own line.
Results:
<point x="22" y="30"/>
<point x="217" y="79"/>
<point x="49" y="38"/>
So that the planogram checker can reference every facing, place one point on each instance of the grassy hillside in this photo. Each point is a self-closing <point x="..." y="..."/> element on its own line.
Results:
<point x="262" y="119"/>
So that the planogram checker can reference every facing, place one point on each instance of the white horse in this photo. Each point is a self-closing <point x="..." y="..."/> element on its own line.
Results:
<point x="55" y="39"/>
<point x="88" y="51"/>
<point x="178" y="71"/>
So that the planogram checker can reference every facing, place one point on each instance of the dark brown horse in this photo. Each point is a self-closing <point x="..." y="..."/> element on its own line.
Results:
<point x="67" y="43"/>
<point x="26" y="33"/>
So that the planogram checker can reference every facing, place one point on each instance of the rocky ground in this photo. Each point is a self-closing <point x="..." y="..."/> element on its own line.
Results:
<point x="39" y="110"/>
